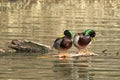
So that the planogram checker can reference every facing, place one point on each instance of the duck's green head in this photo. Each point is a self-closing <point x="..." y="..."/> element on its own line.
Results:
<point x="68" y="33"/>
<point x="90" y="32"/>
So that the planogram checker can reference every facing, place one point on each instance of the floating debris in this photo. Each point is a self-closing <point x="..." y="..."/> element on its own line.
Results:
<point x="104" y="51"/>
<point x="117" y="53"/>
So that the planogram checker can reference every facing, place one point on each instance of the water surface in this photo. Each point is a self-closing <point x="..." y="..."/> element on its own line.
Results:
<point x="85" y="68"/>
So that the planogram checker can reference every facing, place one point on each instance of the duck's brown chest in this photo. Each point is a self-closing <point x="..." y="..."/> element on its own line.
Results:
<point x="84" y="40"/>
<point x="66" y="43"/>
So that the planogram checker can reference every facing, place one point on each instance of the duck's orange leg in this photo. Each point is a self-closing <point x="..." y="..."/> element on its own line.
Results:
<point x="66" y="54"/>
<point x="87" y="51"/>
<point x="60" y="54"/>
<point x="80" y="51"/>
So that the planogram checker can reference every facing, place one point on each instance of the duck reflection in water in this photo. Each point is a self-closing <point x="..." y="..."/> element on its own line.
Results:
<point x="73" y="69"/>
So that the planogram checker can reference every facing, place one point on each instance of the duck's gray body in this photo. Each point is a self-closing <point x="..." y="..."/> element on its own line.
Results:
<point x="57" y="43"/>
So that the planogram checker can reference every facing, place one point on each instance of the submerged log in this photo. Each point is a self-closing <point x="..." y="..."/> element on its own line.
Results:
<point x="29" y="46"/>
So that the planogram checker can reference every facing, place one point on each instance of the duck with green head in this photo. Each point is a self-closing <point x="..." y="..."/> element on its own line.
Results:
<point x="63" y="43"/>
<point x="81" y="40"/>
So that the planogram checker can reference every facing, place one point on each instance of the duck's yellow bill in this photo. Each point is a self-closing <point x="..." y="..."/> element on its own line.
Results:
<point x="93" y="39"/>
<point x="62" y="35"/>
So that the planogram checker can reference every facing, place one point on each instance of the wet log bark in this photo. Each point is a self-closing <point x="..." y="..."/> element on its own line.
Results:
<point x="29" y="46"/>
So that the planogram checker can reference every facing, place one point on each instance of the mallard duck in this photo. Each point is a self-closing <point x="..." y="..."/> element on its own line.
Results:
<point x="81" y="40"/>
<point x="63" y="43"/>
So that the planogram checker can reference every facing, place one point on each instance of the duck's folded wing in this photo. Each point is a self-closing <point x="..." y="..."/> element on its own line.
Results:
<point x="57" y="43"/>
